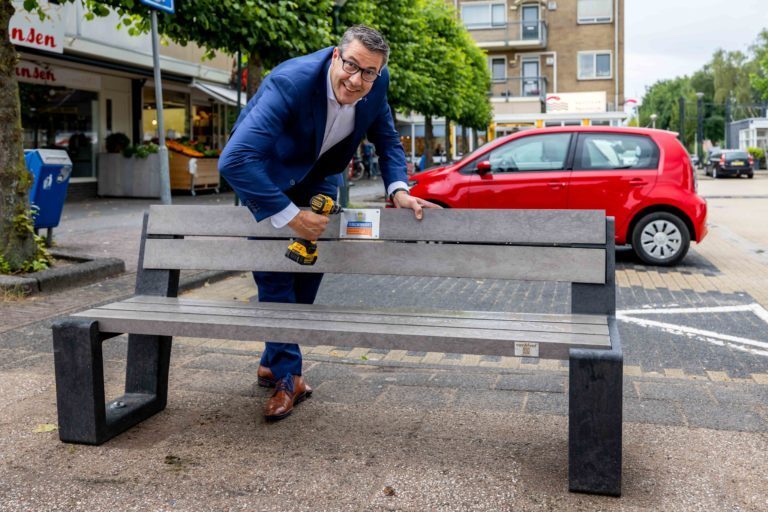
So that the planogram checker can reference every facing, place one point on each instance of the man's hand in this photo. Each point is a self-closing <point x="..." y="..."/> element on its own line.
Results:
<point x="402" y="199"/>
<point x="308" y="225"/>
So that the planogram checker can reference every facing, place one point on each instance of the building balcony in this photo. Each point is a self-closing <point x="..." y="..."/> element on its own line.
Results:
<point x="534" y="88"/>
<point x="513" y="34"/>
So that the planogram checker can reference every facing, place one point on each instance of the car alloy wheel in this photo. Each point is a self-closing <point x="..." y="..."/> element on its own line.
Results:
<point x="661" y="238"/>
<point x="714" y="172"/>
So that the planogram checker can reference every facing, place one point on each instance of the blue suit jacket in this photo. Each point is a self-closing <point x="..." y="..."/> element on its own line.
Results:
<point x="275" y="142"/>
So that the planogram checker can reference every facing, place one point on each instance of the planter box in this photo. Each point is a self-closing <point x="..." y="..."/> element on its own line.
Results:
<point x="128" y="177"/>
<point x="193" y="174"/>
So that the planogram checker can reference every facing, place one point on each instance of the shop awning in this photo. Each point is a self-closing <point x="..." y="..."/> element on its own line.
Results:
<point x="220" y="93"/>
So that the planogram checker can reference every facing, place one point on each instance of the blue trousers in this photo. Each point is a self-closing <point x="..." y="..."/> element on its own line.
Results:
<point x="288" y="287"/>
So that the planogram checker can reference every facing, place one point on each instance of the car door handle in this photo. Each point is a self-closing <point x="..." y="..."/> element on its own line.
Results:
<point x="556" y="184"/>
<point x="637" y="182"/>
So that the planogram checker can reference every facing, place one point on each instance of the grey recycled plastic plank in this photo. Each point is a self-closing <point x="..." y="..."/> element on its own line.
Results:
<point x="576" y="265"/>
<point x="360" y="316"/>
<point x="349" y="333"/>
<point x="562" y="227"/>
<point x="485" y="315"/>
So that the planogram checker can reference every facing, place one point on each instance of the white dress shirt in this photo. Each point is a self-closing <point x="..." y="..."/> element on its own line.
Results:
<point x="339" y="124"/>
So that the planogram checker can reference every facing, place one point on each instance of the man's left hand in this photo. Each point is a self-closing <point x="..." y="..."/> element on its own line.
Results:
<point x="404" y="200"/>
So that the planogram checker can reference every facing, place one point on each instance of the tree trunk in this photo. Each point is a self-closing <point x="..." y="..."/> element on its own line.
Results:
<point x="428" y="141"/>
<point x="255" y="73"/>
<point x="464" y="146"/>
<point x="448" y="152"/>
<point x="17" y="243"/>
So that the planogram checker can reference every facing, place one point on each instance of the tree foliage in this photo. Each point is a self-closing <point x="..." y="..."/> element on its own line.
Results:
<point x="436" y="68"/>
<point x="735" y="76"/>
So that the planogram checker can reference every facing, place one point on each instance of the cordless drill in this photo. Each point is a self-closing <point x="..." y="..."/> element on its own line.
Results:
<point x="304" y="252"/>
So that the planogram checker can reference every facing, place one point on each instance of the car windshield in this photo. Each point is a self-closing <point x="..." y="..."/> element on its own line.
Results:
<point x="736" y="155"/>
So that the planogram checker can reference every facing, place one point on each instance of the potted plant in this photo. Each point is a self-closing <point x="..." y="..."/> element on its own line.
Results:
<point x="133" y="172"/>
<point x="117" y="142"/>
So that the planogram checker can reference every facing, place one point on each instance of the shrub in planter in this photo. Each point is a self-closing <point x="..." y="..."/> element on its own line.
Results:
<point x="140" y="151"/>
<point x="117" y="142"/>
<point x="759" y="155"/>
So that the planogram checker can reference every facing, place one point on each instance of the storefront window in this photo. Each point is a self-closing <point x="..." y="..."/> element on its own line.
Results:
<point x="61" y="118"/>
<point x="175" y="114"/>
<point x="438" y="138"/>
<point x="205" y="125"/>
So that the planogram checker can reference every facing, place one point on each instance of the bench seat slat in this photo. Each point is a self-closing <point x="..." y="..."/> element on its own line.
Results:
<point x="518" y="226"/>
<point x="347" y="333"/>
<point x="435" y="313"/>
<point x="466" y="320"/>
<point x="576" y="265"/>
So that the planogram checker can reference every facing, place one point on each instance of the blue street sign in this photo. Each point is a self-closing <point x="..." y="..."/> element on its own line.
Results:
<point x="163" y="5"/>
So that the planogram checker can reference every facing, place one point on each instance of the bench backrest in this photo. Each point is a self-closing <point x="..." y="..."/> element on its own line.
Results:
<point x="536" y="245"/>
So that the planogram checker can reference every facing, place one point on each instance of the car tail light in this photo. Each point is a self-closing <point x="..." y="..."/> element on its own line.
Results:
<point x="722" y="159"/>
<point x="751" y="160"/>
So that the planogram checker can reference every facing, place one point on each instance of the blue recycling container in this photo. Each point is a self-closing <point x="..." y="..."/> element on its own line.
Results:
<point x="51" y="169"/>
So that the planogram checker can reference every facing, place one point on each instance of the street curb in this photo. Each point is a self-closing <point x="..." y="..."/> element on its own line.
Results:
<point x="84" y="270"/>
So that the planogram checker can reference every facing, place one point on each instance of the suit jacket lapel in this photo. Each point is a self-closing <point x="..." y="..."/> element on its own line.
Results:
<point x="360" y="115"/>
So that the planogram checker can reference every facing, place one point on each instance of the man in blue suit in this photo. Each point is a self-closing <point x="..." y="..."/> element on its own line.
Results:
<point x="292" y="141"/>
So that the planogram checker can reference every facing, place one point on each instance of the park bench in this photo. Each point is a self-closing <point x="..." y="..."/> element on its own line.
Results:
<point x="537" y="245"/>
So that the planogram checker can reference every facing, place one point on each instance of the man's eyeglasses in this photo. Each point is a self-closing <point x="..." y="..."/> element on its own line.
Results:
<point x="351" y="68"/>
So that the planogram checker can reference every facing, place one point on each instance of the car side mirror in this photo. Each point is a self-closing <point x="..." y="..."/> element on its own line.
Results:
<point x="484" y="167"/>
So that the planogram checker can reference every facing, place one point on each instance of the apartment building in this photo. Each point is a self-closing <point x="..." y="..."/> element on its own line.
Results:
<point x="552" y="62"/>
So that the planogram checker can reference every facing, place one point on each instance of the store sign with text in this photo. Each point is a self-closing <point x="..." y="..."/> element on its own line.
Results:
<point x="42" y="73"/>
<point x="26" y="29"/>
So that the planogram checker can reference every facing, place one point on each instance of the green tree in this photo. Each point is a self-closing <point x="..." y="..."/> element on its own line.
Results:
<point x="436" y="68"/>
<point x="759" y="77"/>
<point x="17" y="243"/>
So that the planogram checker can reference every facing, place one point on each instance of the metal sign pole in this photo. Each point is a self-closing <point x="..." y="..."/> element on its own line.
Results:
<point x="165" y="177"/>
<point x="239" y="86"/>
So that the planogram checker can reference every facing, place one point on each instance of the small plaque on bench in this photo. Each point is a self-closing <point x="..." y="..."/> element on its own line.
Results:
<point x="360" y="223"/>
<point x="524" y="349"/>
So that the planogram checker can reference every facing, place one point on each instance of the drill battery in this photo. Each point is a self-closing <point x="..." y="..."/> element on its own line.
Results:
<point x="304" y="252"/>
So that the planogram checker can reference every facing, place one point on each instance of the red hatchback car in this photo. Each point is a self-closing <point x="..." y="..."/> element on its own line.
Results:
<point x="642" y="177"/>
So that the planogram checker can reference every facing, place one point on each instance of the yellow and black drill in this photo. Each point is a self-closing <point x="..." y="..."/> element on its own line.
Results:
<point x="304" y="252"/>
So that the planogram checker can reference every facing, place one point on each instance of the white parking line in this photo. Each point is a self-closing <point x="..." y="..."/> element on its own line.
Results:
<point x="715" y="338"/>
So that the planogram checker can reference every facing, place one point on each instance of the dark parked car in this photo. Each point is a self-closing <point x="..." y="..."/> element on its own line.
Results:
<point x="731" y="162"/>
<point x="695" y="160"/>
<point x="643" y="178"/>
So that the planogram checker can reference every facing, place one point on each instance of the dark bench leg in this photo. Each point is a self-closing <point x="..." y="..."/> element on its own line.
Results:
<point x="595" y="419"/>
<point x="84" y="417"/>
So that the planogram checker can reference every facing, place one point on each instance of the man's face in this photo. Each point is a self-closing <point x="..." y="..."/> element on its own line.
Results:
<point x="350" y="88"/>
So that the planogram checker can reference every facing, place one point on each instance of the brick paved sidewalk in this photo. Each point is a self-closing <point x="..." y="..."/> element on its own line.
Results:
<point x="444" y="431"/>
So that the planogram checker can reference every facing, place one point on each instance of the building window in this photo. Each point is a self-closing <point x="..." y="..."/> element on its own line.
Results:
<point x="499" y="69"/>
<point x="594" y="65"/>
<point x="61" y="118"/>
<point x="483" y="15"/>
<point x="595" y="11"/>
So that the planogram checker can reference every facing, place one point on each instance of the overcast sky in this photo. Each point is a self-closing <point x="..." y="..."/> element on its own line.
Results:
<point x="669" y="38"/>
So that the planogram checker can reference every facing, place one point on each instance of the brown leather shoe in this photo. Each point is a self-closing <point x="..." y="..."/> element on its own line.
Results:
<point x="265" y="376"/>
<point x="289" y="391"/>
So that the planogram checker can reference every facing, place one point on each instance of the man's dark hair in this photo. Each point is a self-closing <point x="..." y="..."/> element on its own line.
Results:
<point x="371" y="39"/>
